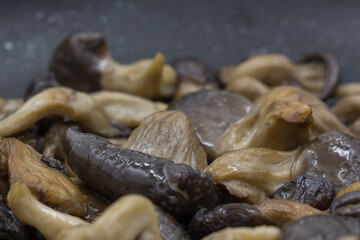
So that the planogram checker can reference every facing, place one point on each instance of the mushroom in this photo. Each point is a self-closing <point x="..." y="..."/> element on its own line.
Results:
<point x="351" y="188"/>
<point x="63" y="102"/>
<point x="269" y="169"/>
<point x="348" y="89"/>
<point x="325" y="121"/>
<point x="83" y="62"/>
<point x="347" y="109"/>
<point x="41" y="83"/>
<point x="348" y="204"/>
<point x="8" y="106"/>
<point x="246" y="233"/>
<point x="126" y="108"/>
<point x="248" y="87"/>
<point x="52" y="140"/>
<point x="320" y="227"/>
<point x="169" y="135"/>
<point x="206" y="221"/>
<point x="281" y="212"/>
<point x="314" y="191"/>
<point x="23" y="163"/>
<point x="131" y="217"/>
<point x="211" y="112"/>
<point x="114" y="171"/>
<point x="318" y="72"/>
<point x="281" y="125"/>
<point x="193" y="75"/>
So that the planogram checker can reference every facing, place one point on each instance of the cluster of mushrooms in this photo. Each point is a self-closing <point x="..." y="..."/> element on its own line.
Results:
<point x="268" y="149"/>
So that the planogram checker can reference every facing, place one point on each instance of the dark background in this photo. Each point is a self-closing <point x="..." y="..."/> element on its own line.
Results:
<point x="221" y="32"/>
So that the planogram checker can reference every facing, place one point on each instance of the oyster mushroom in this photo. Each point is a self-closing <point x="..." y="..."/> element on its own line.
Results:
<point x="131" y="217"/>
<point x="246" y="233"/>
<point x="348" y="204"/>
<point x="83" y="62"/>
<point x="22" y="163"/>
<point x="351" y="188"/>
<point x="126" y="108"/>
<point x="211" y="112"/>
<point x="169" y="135"/>
<point x="193" y="75"/>
<point x="248" y="87"/>
<point x="8" y="106"/>
<point x="347" y="109"/>
<point x="269" y="169"/>
<point x="324" y="122"/>
<point x="114" y="171"/>
<point x="170" y="229"/>
<point x="281" y="125"/>
<point x="222" y="216"/>
<point x="348" y="89"/>
<point x="320" y="227"/>
<point x="41" y="83"/>
<point x="318" y="72"/>
<point x="281" y="212"/>
<point x="63" y="102"/>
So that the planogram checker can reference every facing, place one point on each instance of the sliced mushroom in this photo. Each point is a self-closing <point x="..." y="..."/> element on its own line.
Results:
<point x="222" y="216"/>
<point x="169" y="135"/>
<point x="351" y="188"/>
<point x="325" y="121"/>
<point x="347" y="109"/>
<point x="348" y="204"/>
<point x="114" y="171"/>
<point x="63" y="102"/>
<point x="281" y="125"/>
<point x="281" y="212"/>
<point x="246" y="233"/>
<point x="170" y="229"/>
<point x="248" y="87"/>
<point x="8" y="106"/>
<point x="83" y="61"/>
<point x="53" y="138"/>
<point x="52" y="186"/>
<point x="320" y="227"/>
<point x="129" y="217"/>
<point x="355" y="127"/>
<point x="211" y="112"/>
<point x="265" y="169"/>
<point x="126" y="108"/>
<point x="318" y="72"/>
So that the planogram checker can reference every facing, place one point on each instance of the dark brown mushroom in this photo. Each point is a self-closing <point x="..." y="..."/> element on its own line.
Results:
<point x="347" y="204"/>
<point x="41" y="83"/>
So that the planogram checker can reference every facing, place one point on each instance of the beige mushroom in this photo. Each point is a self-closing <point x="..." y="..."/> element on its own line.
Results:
<point x="246" y="233"/>
<point x="347" y="109"/>
<point x="169" y="135"/>
<point x="347" y="89"/>
<point x="248" y="87"/>
<point x="8" y="106"/>
<point x="129" y="218"/>
<point x="63" y="102"/>
<point x="126" y="108"/>
<point x="280" y="211"/>
<point x="325" y="121"/>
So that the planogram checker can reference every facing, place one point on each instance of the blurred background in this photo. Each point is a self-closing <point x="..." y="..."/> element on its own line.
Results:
<point x="220" y="32"/>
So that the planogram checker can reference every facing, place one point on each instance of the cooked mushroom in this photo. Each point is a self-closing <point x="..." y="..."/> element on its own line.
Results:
<point x="211" y="112"/>
<point x="246" y="233"/>
<point x="325" y="121"/>
<point x="53" y="138"/>
<point x="318" y="72"/>
<point x="130" y="217"/>
<point x="348" y="204"/>
<point x="348" y="89"/>
<point x="23" y="163"/>
<point x="170" y="229"/>
<point x="355" y="127"/>
<point x="347" y="109"/>
<point x="207" y="221"/>
<point x="281" y="212"/>
<point x="193" y="75"/>
<point x="8" y="106"/>
<point x="126" y="108"/>
<point x="281" y="125"/>
<point x="269" y="169"/>
<point x="315" y="191"/>
<point x="114" y="171"/>
<point x="41" y="83"/>
<point x="320" y="227"/>
<point x="169" y="135"/>
<point x="248" y="87"/>
<point x="63" y="102"/>
<point x="83" y="62"/>
<point x="351" y="188"/>
<point x="30" y="136"/>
